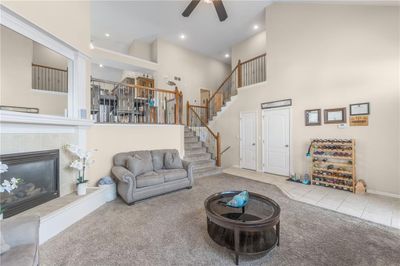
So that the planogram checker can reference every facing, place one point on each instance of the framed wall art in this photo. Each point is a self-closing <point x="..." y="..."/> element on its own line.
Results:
<point x="313" y="117"/>
<point x="335" y="116"/>
<point x="359" y="109"/>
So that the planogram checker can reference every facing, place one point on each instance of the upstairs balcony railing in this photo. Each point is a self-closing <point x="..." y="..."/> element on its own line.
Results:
<point x="114" y="102"/>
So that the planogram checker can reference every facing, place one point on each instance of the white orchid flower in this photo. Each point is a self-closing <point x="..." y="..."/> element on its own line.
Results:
<point x="3" y="168"/>
<point x="77" y="164"/>
<point x="7" y="186"/>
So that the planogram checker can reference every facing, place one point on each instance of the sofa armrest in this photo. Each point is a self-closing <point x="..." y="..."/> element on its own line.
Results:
<point x="123" y="174"/>
<point x="21" y="230"/>
<point x="188" y="166"/>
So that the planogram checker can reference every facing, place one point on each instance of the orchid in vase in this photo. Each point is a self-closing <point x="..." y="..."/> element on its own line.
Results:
<point x="7" y="185"/>
<point x="81" y="162"/>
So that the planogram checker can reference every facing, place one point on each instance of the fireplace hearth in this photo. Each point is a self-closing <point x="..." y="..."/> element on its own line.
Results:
<point x="39" y="172"/>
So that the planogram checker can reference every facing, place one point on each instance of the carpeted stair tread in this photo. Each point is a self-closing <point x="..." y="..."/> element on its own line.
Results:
<point x="193" y="145"/>
<point x="207" y="171"/>
<point x="195" y="150"/>
<point x="203" y="164"/>
<point x="197" y="157"/>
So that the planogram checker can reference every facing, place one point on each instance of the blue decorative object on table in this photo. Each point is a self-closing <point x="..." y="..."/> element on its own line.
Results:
<point x="106" y="180"/>
<point x="240" y="200"/>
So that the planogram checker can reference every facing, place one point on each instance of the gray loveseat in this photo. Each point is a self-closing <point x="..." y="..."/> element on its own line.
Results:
<point x="143" y="174"/>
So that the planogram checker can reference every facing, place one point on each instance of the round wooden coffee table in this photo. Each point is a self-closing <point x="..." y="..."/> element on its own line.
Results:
<point x="251" y="230"/>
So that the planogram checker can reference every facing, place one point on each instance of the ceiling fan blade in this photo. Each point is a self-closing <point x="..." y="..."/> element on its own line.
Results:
<point x="219" y="7"/>
<point x="189" y="9"/>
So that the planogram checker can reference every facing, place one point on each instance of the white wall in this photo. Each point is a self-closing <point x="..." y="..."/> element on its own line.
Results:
<point x="46" y="57"/>
<point x="67" y="20"/>
<point x="106" y="73"/>
<point x="141" y="49"/>
<point x="328" y="56"/>
<point x="249" y="48"/>
<point x="196" y="71"/>
<point x="112" y="139"/>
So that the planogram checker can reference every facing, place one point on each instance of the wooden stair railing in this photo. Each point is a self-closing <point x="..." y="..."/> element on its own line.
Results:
<point x="243" y="74"/>
<point x="196" y="122"/>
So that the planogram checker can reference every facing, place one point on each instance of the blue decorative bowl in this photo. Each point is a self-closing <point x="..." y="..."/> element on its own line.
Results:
<point x="240" y="200"/>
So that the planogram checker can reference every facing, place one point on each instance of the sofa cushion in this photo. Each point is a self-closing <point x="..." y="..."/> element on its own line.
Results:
<point x="172" y="174"/>
<point x="140" y="163"/>
<point x="172" y="160"/>
<point x="149" y="179"/>
<point x="158" y="159"/>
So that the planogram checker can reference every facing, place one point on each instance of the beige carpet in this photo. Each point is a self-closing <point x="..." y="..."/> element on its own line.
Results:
<point x="171" y="230"/>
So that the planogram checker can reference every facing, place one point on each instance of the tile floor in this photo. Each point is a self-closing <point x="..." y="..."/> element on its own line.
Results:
<point x="371" y="207"/>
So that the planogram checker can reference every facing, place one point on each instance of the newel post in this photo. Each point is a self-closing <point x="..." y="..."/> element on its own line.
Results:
<point x="176" y="106"/>
<point x="239" y="74"/>
<point x="187" y="114"/>
<point x="218" y="150"/>
<point x="207" y="114"/>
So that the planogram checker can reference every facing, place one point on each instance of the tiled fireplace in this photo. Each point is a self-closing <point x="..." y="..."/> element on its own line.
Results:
<point x="40" y="175"/>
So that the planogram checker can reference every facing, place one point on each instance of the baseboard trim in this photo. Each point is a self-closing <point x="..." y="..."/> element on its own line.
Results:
<point x="377" y="192"/>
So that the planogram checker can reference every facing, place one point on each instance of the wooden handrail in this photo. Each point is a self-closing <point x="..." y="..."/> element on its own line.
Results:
<point x="48" y="67"/>
<point x="254" y="58"/>
<point x="133" y="85"/>
<point x="219" y="88"/>
<point x="238" y="66"/>
<point x="216" y="136"/>
<point x="203" y="123"/>
<point x="198" y="106"/>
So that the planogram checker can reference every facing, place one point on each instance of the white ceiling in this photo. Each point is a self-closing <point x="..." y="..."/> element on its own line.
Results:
<point x="126" y="21"/>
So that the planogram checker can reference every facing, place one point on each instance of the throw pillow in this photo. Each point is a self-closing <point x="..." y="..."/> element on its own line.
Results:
<point x="172" y="161"/>
<point x="138" y="164"/>
<point x="4" y="247"/>
<point x="158" y="159"/>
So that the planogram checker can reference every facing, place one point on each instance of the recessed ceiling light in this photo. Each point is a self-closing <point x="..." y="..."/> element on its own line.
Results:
<point x="107" y="34"/>
<point x="91" y="45"/>
<point x="255" y="27"/>
<point x="182" y="36"/>
<point x="101" y="65"/>
<point x="226" y="55"/>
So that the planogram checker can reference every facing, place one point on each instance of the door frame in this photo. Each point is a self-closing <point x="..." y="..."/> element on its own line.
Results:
<point x="291" y="166"/>
<point x="240" y="139"/>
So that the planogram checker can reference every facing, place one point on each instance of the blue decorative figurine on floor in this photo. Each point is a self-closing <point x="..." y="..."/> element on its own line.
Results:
<point x="240" y="200"/>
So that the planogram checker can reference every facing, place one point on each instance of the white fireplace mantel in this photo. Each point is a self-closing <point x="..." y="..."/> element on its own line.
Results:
<point x="8" y="117"/>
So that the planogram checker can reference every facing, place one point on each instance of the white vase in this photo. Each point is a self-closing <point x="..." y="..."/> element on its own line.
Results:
<point x="81" y="189"/>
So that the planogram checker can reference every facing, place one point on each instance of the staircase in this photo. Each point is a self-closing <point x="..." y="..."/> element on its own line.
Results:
<point x="196" y="152"/>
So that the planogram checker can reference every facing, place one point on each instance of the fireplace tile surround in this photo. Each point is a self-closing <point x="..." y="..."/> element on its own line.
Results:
<point x="31" y="142"/>
<point x="39" y="172"/>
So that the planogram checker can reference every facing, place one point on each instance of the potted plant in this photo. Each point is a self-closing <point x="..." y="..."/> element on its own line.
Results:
<point x="7" y="185"/>
<point x="81" y="162"/>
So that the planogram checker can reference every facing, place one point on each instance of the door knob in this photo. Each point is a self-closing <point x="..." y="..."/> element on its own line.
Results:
<point x="287" y="146"/>
<point x="253" y="144"/>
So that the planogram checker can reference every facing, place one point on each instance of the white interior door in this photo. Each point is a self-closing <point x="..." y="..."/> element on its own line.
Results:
<point x="248" y="146"/>
<point x="276" y="141"/>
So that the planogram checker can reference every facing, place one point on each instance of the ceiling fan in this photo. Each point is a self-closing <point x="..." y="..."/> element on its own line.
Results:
<point x="219" y="7"/>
